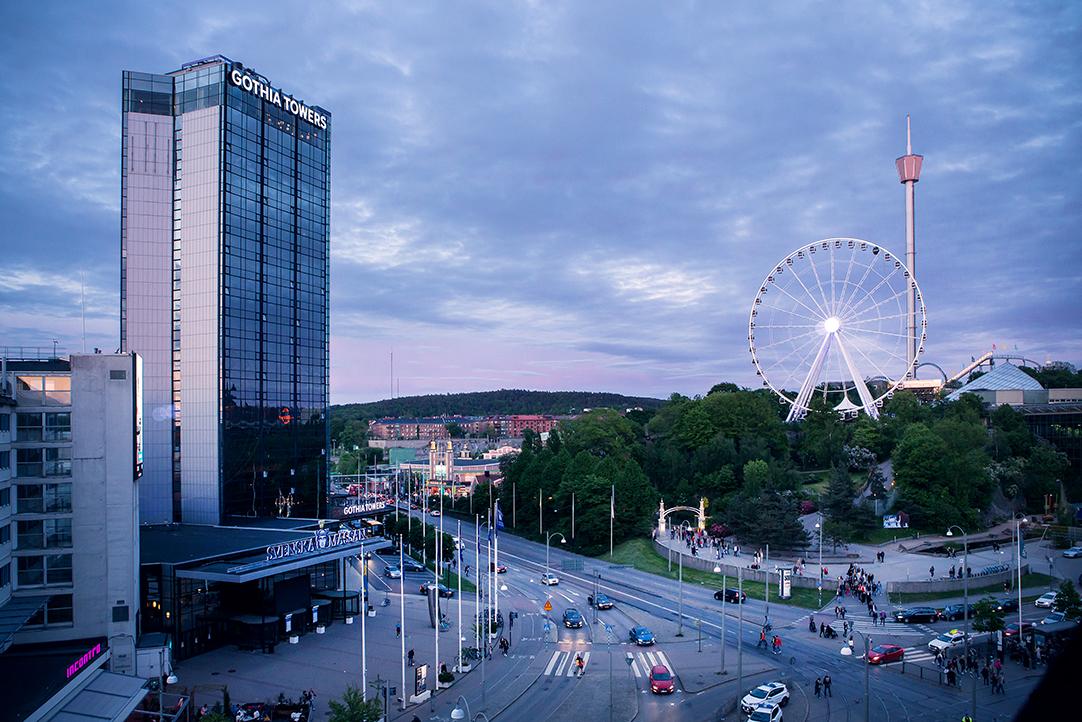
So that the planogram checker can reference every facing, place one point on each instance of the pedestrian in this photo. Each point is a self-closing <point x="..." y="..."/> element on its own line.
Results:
<point x="931" y="572"/>
<point x="882" y="619"/>
<point x="818" y="687"/>
<point x="986" y="673"/>
<point x="397" y="630"/>
<point x="951" y="677"/>
<point x="826" y="687"/>
<point x="762" y="639"/>
<point x="409" y="658"/>
<point x="822" y="628"/>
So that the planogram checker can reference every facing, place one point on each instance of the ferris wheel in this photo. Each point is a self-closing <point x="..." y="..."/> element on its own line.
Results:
<point x="832" y="318"/>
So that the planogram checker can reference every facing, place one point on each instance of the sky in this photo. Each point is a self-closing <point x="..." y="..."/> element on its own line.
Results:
<point x="583" y="195"/>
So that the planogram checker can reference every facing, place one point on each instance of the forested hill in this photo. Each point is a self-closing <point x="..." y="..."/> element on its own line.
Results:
<point x="484" y="403"/>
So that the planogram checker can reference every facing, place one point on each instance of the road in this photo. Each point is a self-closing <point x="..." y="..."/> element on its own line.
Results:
<point x="539" y="681"/>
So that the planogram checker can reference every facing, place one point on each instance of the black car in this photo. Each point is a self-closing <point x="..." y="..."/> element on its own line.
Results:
<point x="572" y="619"/>
<point x="953" y="612"/>
<point x="442" y="590"/>
<point x="916" y="614"/>
<point x="412" y="565"/>
<point x="600" y="601"/>
<point x="732" y="596"/>
<point x="1007" y="604"/>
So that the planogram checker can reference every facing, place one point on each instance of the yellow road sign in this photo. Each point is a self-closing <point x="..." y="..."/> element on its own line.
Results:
<point x="548" y="606"/>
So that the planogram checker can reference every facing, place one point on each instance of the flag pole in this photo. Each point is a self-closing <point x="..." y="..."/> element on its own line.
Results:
<point x="612" y="515"/>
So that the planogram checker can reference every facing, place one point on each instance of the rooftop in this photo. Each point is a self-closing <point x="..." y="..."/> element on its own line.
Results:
<point x="1003" y="377"/>
<point x="183" y="543"/>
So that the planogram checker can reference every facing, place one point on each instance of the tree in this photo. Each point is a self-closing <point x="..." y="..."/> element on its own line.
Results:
<point x="756" y="476"/>
<point x="353" y="708"/>
<point x="985" y="616"/>
<point x="602" y="432"/>
<point x="877" y="483"/>
<point x="455" y="430"/>
<point x="825" y="435"/>
<point x="1068" y="601"/>
<point x="837" y="501"/>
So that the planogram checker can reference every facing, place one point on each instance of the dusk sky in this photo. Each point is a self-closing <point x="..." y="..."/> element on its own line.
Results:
<point x="583" y="195"/>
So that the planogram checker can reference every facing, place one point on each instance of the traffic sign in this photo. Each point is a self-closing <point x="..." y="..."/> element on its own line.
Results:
<point x="548" y="605"/>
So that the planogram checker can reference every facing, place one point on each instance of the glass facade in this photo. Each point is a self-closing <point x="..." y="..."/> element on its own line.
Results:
<point x="272" y="286"/>
<point x="274" y="309"/>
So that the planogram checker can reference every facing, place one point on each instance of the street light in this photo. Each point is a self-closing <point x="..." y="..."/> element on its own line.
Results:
<point x="819" y="526"/>
<point x="846" y="652"/>
<point x="724" y="581"/>
<point x="464" y="714"/>
<point x="548" y="537"/>
<point x="965" y="607"/>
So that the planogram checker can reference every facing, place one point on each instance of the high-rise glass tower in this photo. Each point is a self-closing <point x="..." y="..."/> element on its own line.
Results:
<point x="224" y="275"/>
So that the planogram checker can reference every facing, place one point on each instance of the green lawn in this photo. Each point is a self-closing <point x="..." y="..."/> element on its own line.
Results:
<point x="880" y="535"/>
<point x="1029" y="581"/>
<point x="640" y="554"/>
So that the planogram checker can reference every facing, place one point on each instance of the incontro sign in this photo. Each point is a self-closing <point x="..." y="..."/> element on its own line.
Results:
<point x="291" y="105"/>
<point x="320" y="541"/>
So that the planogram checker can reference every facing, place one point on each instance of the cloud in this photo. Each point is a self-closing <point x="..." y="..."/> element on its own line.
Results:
<point x="572" y="195"/>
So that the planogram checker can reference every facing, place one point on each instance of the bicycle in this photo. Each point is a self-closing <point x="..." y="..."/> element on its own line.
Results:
<point x="471" y="653"/>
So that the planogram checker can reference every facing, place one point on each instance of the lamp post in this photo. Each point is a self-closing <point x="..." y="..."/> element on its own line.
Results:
<point x="965" y="607"/>
<point x="680" y="606"/>
<point x="819" y="586"/>
<point x="548" y="537"/>
<point x="846" y="652"/>
<point x="464" y="714"/>
<point x="724" y="582"/>
<point x="739" y="629"/>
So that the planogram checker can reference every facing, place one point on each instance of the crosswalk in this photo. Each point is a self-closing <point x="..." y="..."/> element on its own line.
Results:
<point x="645" y="661"/>
<point x="562" y="663"/>
<point x="918" y="654"/>
<point x="892" y="628"/>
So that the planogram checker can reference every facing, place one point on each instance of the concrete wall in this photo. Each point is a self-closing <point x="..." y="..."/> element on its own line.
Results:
<point x="707" y="564"/>
<point x="105" y="507"/>
<point x="954" y="585"/>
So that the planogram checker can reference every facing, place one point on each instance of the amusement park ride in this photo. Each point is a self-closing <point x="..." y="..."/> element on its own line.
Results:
<point x="844" y="318"/>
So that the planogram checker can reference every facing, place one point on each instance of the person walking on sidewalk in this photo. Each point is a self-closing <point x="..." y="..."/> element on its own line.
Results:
<point x="762" y="639"/>
<point x="397" y="630"/>
<point x="409" y="658"/>
<point x="818" y="687"/>
<point x="826" y="686"/>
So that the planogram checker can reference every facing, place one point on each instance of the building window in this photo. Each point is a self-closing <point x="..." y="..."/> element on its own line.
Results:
<point x="58" y="610"/>
<point x="28" y="462"/>
<point x="5" y="575"/>
<point x="28" y="427"/>
<point x="43" y="571"/>
<point x="5" y="422"/>
<point x="43" y="534"/>
<point x="58" y="461"/>
<point x="5" y="534"/>
<point x="58" y="426"/>
<point x="5" y="497"/>
<point x="57" y="498"/>
<point x="44" y="390"/>
<point x="5" y="459"/>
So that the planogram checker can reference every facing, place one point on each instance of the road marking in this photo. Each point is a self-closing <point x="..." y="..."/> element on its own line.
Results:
<point x="635" y="669"/>
<point x="572" y="668"/>
<point x="552" y="662"/>
<point x="560" y="667"/>
<point x="665" y="661"/>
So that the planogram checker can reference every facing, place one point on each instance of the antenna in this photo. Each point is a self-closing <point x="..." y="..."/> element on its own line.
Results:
<point x="908" y="136"/>
<point x="392" y="373"/>
<point x="82" y="303"/>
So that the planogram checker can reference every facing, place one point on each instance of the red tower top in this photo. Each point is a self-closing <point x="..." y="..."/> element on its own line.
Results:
<point x="909" y="164"/>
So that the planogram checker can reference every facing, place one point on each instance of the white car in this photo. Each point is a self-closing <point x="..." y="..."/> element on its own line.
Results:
<point x="766" y="712"/>
<point x="947" y="641"/>
<point x="549" y="580"/>
<point x="392" y="572"/>
<point x="1046" y="600"/>
<point x="435" y="512"/>
<point x="773" y="693"/>
<point x="1073" y="553"/>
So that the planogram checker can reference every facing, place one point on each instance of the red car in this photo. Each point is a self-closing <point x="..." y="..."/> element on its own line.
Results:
<point x="885" y="653"/>
<point x="661" y="681"/>
<point x="1012" y="629"/>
